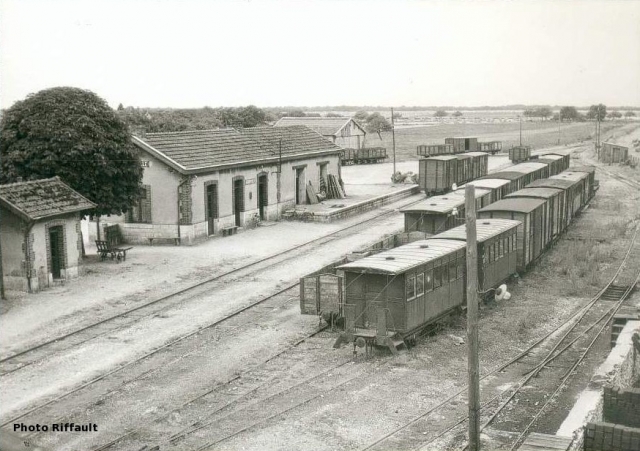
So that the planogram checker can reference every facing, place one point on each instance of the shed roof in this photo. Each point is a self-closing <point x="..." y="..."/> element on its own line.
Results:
<point x="614" y="145"/>
<point x="207" y="149"/>
<point x="44" y="198"/>
<point x="536" y="192"/>
<point x="490" y="183"/>
<point x="477" y="154"/>
<point x="326" y="126"/>
<point x="518" y="204"/>
<point x="551" y="183"/>
<point x="404" y="258"/>
<point x="485" y="229"/>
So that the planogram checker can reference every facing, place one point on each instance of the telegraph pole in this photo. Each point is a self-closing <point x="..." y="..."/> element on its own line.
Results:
<point x="520" y="130"/>
<point x="278" y="179"/>
<point x="393" y="138"/>
<point x="472" y="319"/>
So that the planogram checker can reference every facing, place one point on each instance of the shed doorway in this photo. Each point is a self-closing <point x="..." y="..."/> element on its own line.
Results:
<point x="238" y="200"/>
<point x="212" y="207"/>
<point x="56" y="251"/>
<point x="263" y="196"/>
<point x="300" y="186"/>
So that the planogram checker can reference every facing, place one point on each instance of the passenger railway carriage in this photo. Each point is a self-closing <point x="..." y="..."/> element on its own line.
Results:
<point x="532" y="232"/>
<point x="392" y="296"/>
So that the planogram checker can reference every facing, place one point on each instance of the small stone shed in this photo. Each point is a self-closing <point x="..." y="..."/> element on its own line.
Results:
<point x="40" y="233"/>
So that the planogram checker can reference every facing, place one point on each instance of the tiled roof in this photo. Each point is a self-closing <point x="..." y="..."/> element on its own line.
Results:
<point x="203" y="149"/>
<point x="42" y="198"/>
<point x="326" y="126"/>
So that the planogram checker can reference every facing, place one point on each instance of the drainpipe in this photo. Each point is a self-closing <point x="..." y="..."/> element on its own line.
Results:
<point x="184" y="181"/>
<point x="26" y="253"/>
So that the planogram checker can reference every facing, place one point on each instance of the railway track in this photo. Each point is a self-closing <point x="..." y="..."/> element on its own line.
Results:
<point x="571" y="340"/>
<point x="31" y="355"/>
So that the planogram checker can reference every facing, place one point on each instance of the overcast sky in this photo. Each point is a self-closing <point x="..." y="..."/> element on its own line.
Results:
<point x="164" y="53"/>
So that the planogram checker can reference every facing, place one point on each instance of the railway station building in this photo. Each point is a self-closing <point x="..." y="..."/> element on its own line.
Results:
<point x="212" y="182"/>
<point x="342" y="131"/>
<point x="40" y="233"/>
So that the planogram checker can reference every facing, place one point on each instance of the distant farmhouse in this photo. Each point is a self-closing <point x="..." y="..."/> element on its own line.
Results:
<point x="342" y="131"/>
<point x="208" y="182"/>
<point x="40" y="233"/>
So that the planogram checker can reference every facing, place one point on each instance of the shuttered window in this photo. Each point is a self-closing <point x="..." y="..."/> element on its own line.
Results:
<point x="141" y="211"/>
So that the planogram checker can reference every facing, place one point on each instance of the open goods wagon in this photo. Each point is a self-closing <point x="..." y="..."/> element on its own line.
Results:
<point x="491" y="147"/>
<point x="363" y="155"/>
<point x="432" y="150"/>
<point x="463" y="144"/>
<point x="519" y="153"/>
<point x="391" y="297"/>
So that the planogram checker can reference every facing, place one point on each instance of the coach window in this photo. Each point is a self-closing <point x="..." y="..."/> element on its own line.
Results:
<point x="490" y="253"/>
<point x="452" y="271"/>
<point x="500" y="250"/>
<point x="420" y="284"/>
<point x="513" y="242"/>
<point x="411" y="287"/>
<point x="461" y="264"/>
<point x="437" y="277"/>
<point x="428" y="280"/>
<point x="445" y="273"/>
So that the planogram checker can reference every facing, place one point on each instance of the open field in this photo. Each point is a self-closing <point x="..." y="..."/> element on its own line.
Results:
<point x="534" y="134"/>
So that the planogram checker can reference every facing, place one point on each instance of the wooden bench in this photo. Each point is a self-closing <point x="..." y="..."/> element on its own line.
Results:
<point x="232" y="230"/>
<point x="116" y="253"/>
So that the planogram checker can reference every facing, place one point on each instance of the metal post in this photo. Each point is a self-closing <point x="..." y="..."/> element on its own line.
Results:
<point x="472" y="320"/>
<point x="393" y="138"/>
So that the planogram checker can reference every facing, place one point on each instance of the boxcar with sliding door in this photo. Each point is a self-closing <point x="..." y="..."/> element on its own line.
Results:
<point x="516" y="179"/>
<point x="591" y="180"/>
<point x="479" y="164"/>
<point x="555" y="163"/>
<point x="463" y="144"/>
<point x="531" y="233"/>
<point x="437" y="174"/>
<point x="483" y="196"/>
<point x="396" y="293"/>
<point x="554" y="207"/>
<point x="465" y="162"/>
<point x="566" y="197"/>
<point x="531" y="171"/>
<point x="518" y="154"/>
<point x="497" y="249"/>
<point x="579" y="189"/>
<point x="492" y="147"/>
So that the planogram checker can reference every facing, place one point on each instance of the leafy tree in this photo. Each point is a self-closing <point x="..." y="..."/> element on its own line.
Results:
<point x="529" y="113"/>
<point x="543" y="112"/>
<point x="457" y="114"/>
<point x="295" y="113"/>
<point x="312" y="114"/>
<point x="377" y="123"/>
<point x="597" y="112"/>
<point x="361" y="116"/>
<point x="615" y="115"/>
<point x="440" y="113"/>
<point x="333" y="115"/>
<point x="629" y="114"/>
<point x="74" y="134"/>
<point x="397" y="115"/>
<point x="120" y="107"/>
<point x="252" y="116"/>
<point x="568" y="112"/>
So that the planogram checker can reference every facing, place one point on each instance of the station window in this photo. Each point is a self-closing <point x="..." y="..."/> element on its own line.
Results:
<point x="452" y="271"/>
<point x="437" y="277"/>
<point x="420" y="284"/>
<point x="428" y="281"/>
<point x="411" y="287"/>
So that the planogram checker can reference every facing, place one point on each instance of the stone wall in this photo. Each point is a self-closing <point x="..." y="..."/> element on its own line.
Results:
<point x="622" y="406"/>
<point x="611" y="437"/>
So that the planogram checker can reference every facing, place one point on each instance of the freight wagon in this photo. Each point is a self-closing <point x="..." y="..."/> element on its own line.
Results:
<point x="432" y="150"/>
<point x="519" y="154"/>
<point x="499" y="188"/>
<point x="463" y="144"/>
<point x="555" y="163"/>
<point x="438" y="174"/>
<point x="491" y="147"/>
<point x="363" y="155"/>
<point x="555" y="209"/>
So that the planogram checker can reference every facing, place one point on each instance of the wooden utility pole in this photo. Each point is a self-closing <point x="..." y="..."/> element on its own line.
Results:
<point x="520" y="130"/>
<point x="472" y="319"/>
<point x="279" y="180"/>
<point x="393" y="138"/>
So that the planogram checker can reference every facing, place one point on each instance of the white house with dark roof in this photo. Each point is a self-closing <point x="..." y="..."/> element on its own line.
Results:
<point x="201" y="183"/>
<point x="40" y="233"/>
<point x="342" y="131"/>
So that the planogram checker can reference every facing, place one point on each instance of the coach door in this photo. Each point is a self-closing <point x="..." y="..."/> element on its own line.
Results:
<point x="212" y="207"/>
<point x="373" y="298"/>
<point x="238" y="199"/>
<point x="263" y="196"/>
